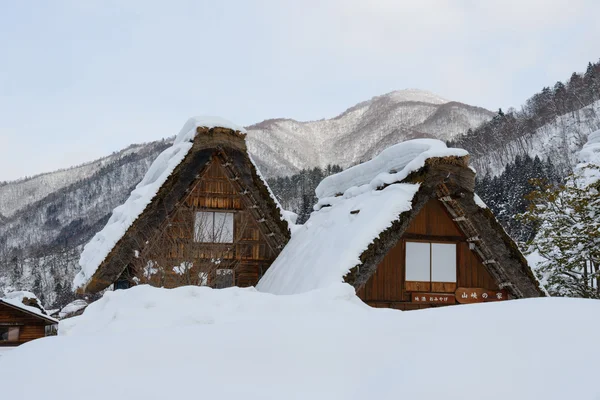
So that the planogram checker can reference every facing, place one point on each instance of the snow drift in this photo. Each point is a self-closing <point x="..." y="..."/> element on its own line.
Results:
<point x="148" y="343"/>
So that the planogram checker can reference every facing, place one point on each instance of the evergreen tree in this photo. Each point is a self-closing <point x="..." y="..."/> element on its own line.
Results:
<point x="569" y="234"/>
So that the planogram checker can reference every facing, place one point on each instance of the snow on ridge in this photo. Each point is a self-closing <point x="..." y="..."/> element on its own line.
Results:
<point x="96" y="250"/>
<point x="391" y="165"/>
<point x="188" y="131"/>
<point x="416" y="95"/>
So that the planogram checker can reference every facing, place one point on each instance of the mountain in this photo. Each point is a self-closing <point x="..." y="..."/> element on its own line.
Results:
<point x="285" y="146"/>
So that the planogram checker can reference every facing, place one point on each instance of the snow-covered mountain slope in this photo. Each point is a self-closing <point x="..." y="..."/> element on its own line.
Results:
<point x="285" y="146"/>
<point x="19" y="194"/>
<point x="560" y="140"/>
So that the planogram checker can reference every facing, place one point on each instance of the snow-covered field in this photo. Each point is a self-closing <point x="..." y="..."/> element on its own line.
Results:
<point x="195" y="342"/>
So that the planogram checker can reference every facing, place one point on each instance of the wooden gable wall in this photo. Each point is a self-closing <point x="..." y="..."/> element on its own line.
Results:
<point x="30" y="327"/>
<point x="387" y="286"/>
<point x="249" y="255"/>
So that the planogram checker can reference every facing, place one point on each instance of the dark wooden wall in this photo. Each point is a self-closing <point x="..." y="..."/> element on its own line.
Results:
<point x="30" y="327"/>
<point x="249" y="255"/>
<point x="387" y="286"/>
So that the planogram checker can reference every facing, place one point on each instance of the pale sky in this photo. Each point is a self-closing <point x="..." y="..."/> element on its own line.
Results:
<point x="80" y="79"/>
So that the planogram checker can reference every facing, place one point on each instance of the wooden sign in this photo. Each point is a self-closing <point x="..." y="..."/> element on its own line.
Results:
<point x="433" y="298"/>
<point x="479" y="295"/>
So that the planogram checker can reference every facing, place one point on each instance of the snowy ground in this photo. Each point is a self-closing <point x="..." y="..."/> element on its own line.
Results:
<point x="5" y="350"/>
<point x="146" y="343"/>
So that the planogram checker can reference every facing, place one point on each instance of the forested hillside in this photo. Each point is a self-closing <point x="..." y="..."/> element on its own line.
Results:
<point x="552" y="123"/>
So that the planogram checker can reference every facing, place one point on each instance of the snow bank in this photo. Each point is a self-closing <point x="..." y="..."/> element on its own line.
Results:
<point x="123" y="216"/>
<point x="22" y="299"/>
<point x="240" y="344"/>
<point x="323" y="250"/>
<point x="391" y="165"/>
<point x="145" y="308"/>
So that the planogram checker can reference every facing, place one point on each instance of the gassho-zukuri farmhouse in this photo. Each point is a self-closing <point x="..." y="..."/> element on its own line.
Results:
<point x="405" y="229"/>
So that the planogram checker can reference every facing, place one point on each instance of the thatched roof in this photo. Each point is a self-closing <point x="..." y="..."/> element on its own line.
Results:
<point x="348" y="235"/>
<point x="226" y="143"/>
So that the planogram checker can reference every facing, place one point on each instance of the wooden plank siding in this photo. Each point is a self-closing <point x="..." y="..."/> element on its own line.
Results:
<point x="30" y="327"/>
<point x="387" y="286"/>
<point x="249" y="255"/>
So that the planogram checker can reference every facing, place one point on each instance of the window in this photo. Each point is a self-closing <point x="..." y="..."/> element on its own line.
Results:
<point x="224" y="278"/>
<point x="122" y="284"/>
<point x="213" y="227"/>
<point x="430" y="262"/>
<point x="9" y="333"/>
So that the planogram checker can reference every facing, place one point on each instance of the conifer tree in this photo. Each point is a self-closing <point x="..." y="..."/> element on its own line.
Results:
<point x="568" y="239"/>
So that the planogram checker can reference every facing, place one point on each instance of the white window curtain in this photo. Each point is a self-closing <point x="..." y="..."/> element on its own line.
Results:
<point x="418" y="262"/>
<point x="430" y="262"/>
<point x="443" y="262"/>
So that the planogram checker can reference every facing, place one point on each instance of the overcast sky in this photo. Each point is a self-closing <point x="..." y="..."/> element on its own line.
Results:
<point x="80" y="79"/>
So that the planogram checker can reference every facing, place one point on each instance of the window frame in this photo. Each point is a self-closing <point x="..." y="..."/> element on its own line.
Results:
<point x="230" y="236"/>
<point x="416" y="285"/>
<point x="8" y="329"/>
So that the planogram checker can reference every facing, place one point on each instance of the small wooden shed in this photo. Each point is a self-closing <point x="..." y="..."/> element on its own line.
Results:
<point x="22" y="319"/>
<point x="408" y="232"/>
<point x="202" y="215"/>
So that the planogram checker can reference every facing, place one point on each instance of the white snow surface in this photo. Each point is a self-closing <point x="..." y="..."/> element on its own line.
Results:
<point x="72" y="307"/>
<point x="123" y="216"/>
<point x="589" y="156"/>
<point x="418" y="95"/>
<point x="238" y="343"/>
<point x="16" y="299"/>
<point x="479" y="201"/>
<point x="391" y="165"/>
<point x="323" y="250"/>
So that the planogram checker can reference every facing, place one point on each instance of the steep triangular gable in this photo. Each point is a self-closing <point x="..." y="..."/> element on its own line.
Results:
<point x="387" y="286"/>
<point x="230" y="147"/>
<point x="495" y="250"/>
<point x="216" y="189"/>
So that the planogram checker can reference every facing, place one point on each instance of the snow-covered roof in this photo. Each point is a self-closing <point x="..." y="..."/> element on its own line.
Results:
<point x="28" y="302"/>
<point x="391" y="165"/>
<point x="124" y="215"/>
<point x="323" y="250"/>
